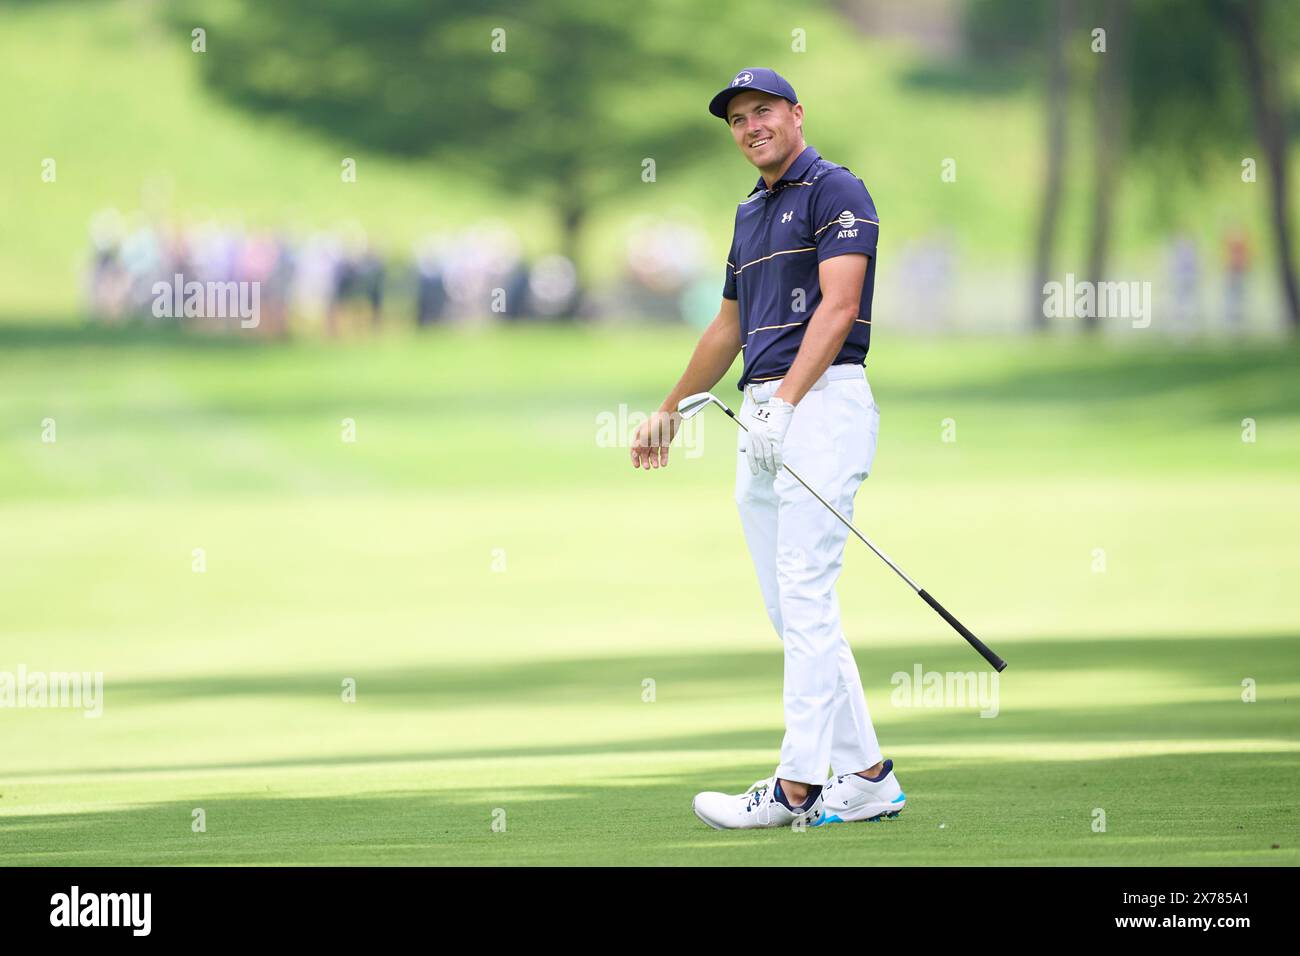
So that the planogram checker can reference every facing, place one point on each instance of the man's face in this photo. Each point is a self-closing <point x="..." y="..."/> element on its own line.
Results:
<point x="766" y="127"/>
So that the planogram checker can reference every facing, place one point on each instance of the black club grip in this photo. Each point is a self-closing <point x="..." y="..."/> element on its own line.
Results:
<point x="998" y="663"/>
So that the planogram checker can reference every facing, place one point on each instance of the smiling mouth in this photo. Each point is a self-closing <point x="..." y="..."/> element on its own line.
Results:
<point x="760" y="143"/>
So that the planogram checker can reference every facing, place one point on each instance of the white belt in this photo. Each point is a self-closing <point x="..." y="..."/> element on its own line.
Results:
<point x="760" y="392"/>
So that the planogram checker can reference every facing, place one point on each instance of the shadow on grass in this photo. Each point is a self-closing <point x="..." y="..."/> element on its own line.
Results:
<point x="1158" y="810"/>
<point x="86" y="334"/>
<point x="1068" y="371"/>
<point x="1125" y="375"/>
<point x="1204" y="676"/>
<point x="1205" y="661"/>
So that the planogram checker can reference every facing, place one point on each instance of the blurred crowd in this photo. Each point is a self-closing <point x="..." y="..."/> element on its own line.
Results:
<point x="337" y="280"/>
<point x="1191" y="295"/>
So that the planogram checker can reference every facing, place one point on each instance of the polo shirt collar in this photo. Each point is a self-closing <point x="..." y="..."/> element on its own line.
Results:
<point x="796" y="171"/>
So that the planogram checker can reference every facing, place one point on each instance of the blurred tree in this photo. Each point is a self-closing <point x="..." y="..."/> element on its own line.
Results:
<point x="1109" y="116"/>
<point x="563" y="99"/>
<point x="1180" y="80"/>
<point x="1205" y="70"/>
<point x="1266" y="37"/>
<point x="1015" y="33"/>
<point x="1060" y="28"/>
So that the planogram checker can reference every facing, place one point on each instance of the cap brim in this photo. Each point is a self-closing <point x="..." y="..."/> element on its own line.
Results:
<point x="718" y="105"/>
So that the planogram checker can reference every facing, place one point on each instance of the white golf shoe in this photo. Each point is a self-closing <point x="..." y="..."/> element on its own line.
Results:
<point x="756" y="807"/>
<point x="848" y="797"/>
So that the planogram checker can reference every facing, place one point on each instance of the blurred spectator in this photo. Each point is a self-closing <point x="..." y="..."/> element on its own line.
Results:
<point x="1237" y="264"/>
<point x="141" y="258"/>
<point x="927" y="275"/>
<point x="1183" y="276"/>
<point x="484" y="274"/>
<point x="358" y="277"/>
<point x="552" y="287"/>
<point x="109" y="281"/>
<point x="664" y="259"/>
<point x="663" y="255"/>
<point x="430" y="290"/>
<point x="314" y="278"/>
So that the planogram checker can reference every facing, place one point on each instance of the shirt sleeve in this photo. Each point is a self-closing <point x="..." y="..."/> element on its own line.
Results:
<point x="729" y="283"/>
<point x="844" y="217"/>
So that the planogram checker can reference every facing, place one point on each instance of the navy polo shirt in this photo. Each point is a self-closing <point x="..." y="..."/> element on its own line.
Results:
<point x="816" y="211"/>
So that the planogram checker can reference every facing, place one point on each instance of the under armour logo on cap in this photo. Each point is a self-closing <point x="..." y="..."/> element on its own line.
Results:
<point x="758" y="78"/>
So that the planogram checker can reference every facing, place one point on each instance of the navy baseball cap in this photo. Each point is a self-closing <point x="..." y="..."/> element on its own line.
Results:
<point x="756" y="78"/>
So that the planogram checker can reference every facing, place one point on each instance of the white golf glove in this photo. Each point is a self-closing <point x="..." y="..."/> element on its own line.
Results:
<point x="767" y="425"/>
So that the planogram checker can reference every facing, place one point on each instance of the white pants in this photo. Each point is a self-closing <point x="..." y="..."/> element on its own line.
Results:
<point x="798" y="548"/>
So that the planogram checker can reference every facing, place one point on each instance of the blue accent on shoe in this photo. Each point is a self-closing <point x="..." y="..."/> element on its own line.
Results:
<point x="832" y="818"/>
<point x="900" y="798"/>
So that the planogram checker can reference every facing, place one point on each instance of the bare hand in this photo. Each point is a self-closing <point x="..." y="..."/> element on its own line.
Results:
<point x="650" y="444"/>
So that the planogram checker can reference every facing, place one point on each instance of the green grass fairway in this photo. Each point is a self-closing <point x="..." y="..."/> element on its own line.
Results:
<point x="501" y="586"/>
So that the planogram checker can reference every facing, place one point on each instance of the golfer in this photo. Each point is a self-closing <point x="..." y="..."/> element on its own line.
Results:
<point x="797" y="303"/>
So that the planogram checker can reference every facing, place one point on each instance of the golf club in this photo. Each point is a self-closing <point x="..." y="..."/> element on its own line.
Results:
<point x="691" y="405"/>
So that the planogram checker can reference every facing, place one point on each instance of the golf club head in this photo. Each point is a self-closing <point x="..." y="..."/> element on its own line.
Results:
<point x="690" y="406"/>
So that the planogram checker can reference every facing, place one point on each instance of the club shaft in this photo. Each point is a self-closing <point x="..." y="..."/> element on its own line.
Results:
<point x="983" y="649"/>
<point x="849" y="524"/>
<point x="835" y="511"/>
